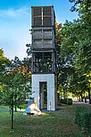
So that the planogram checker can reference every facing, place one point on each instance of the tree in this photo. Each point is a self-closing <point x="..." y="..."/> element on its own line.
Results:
<point x="74" y="55"/>
<point x="74" y="49"/>
<point x="83" y="7"/>
<point x="17" y="85"/>
<point x="4" y="62"/>
<point x="63" y="58"/>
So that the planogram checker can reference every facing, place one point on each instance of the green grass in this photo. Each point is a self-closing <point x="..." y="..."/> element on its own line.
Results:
<point x="54" y="124"/>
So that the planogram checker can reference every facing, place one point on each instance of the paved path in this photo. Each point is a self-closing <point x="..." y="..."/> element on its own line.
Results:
<point x="68" y="109"/>
<point x="75" y="104"/>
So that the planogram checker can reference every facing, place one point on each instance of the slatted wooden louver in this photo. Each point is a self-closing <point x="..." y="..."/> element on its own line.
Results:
<point x="47" y="16"/>
<point x="37" y="16"/>
<point x="42" y="16"/>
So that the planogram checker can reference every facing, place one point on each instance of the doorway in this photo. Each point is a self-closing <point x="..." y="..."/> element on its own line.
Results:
<point x="43" y="95"/>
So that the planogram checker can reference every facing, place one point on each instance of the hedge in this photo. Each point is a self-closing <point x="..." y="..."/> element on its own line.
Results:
<point x="67" y="101"/>
<point x="83" y="119"/>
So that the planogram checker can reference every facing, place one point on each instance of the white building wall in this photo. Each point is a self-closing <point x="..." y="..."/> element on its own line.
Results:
<point x="50" y="79"/>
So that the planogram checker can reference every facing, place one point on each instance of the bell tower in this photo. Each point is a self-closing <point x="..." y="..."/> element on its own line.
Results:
<point x="43" y="57"/>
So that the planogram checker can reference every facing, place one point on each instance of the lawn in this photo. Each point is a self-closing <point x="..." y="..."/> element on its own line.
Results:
<point x="54" y="124"/>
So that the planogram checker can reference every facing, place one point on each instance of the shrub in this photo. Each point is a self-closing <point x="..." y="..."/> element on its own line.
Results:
<point x="86" y="121"/>
<point x="83" y="118"/>
<point x="67" y="101"/>
<point x="78" y="112"/>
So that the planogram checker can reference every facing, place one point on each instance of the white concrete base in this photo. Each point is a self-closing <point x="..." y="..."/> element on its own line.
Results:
<point x="51" y="91"/>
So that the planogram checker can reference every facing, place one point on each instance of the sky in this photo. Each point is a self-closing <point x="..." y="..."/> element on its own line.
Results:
<point x="15" y="22"/>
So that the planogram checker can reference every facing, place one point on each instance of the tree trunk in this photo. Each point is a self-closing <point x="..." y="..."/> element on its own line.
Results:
<point x="81" y="97"/>
<point x="12" y="115"/>
<point x="85" y="100"/>
<point x="89" y="95"/>
<point x="58" y="100"/>
<point x="15" y="100"/>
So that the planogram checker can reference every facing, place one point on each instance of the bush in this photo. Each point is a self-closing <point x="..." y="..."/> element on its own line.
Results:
<point x="78" y="112"/>
<point x="83" y="118"/>
<point x="67" y="101"/>
<point x="86" y="121"/>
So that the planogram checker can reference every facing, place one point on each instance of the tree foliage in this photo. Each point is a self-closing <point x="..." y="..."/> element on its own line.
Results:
<point x="74" y="49"/>
<point x="15" y="85"/>
<point x="17" y="82"/>
<point x="4" y="62"/>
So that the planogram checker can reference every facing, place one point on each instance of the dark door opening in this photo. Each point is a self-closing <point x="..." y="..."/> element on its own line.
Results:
<point x="43" y="95"/>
